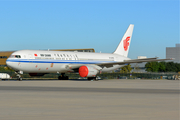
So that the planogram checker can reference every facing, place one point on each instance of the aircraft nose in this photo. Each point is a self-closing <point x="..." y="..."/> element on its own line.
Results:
<point x="11" y="64"/>
<point x="8" y="63"/>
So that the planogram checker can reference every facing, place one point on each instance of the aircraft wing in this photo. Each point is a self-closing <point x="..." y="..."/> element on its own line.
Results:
<point x="133" y="61"/>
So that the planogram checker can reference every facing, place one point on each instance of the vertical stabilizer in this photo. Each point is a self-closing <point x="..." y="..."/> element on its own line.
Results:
<point x="123" y="47"/>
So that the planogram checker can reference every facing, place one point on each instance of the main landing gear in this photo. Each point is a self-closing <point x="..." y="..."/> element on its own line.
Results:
<point x="18" y="75"/>
<point x="63" y="77"/>
<point x="93" y="78"/>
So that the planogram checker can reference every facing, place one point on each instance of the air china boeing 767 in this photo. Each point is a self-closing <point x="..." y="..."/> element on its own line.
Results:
<point x="40" y="62"/>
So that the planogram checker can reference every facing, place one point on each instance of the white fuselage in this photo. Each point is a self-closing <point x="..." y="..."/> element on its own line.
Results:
<point x="38" y="61"/>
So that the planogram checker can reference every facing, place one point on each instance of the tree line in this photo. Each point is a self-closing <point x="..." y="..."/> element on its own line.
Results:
<point x="5" y="68"/>
<point x="162" y="67"/>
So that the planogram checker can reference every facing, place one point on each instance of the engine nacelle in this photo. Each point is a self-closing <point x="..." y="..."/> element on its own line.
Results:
<point x="88" y="71"/>
<point x="36" y="74"/>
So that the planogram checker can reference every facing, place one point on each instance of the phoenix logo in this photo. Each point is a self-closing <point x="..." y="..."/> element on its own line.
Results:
<point x="126" y="43"/>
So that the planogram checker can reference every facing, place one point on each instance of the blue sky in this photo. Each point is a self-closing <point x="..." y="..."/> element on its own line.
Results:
<point x="98" y="24"/>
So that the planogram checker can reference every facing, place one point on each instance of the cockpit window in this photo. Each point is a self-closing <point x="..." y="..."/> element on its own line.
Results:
<point x="15" y="56"/>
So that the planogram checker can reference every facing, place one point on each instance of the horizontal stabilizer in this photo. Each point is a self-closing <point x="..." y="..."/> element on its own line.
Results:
<point x="145" y="60"/>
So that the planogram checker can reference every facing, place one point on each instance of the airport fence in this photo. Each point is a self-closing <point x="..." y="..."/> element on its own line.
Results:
<point x="102" y="76"/>
<point x="138" y="75"/>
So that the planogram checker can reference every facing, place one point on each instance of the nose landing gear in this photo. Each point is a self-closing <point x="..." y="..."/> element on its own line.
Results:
<point x="18" y="74"/>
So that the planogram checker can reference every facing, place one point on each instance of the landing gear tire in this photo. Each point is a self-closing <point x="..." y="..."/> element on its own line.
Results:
<point x="20" y="79"/>
<point x="95" y="78"/>
<point x="92" y="78"/>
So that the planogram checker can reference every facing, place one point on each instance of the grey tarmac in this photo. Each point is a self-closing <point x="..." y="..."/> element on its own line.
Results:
<point x="90" y="100"/>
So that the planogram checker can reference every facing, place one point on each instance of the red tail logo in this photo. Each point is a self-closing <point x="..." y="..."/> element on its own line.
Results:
<point x="126" y="43"/>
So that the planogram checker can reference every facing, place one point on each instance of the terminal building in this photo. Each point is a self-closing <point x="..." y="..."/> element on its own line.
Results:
<point x="173" y="52"/>
<point x="5" y="54"/>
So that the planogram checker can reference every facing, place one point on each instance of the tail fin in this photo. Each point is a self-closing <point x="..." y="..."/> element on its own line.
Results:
<point x="123" y="47"/>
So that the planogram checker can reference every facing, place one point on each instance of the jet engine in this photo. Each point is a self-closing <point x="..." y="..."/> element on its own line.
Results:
<point x="88" y="71"/>
<point x="36" y="74"/>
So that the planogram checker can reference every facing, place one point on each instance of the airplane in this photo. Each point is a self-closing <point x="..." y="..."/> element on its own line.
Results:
<point x="41" y="62"/>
